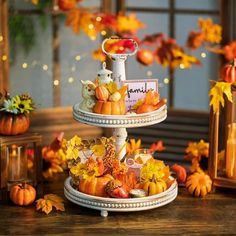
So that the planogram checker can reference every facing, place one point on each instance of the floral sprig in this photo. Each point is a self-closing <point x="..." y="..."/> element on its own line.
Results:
<point x="19" y="104"/>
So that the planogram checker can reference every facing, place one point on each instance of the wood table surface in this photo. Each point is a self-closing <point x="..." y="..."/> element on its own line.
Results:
<point x="213" y="215"/>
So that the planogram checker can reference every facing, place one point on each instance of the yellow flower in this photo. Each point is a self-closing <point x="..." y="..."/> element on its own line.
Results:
<point x="154" y="167"/>
<point x="132" y="146"/>
<point x="22" y="105"/>
<point x="72" y="153"/>
<point x="98" y="150"/>
<point x="75" y="141"/>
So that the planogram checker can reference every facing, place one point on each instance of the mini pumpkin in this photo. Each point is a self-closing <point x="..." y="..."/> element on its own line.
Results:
<point x="110" y="108"/>
<point x="154" y="186"/>
<point x="145" y="57"/>
<point x="11" y="124"/>
<point x="22" y="194"/>
<point x="199" y="184"/>
<point x="95" y="186"/>
<point x="228" y="72"/>
<point x="101" y="93"/>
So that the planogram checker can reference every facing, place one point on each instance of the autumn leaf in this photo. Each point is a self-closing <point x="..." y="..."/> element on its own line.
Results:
<point x="133" y="145"/>
<point x="130" y="23"/>
<point x="217" y="95"/>
<point x="137" y="104"/>
<point x="212" y="32"/>
<point x="112" y="87"/>
<point x="98" y="149"/>
<point x="158" y="146"/>
<point x="99" y="55"/>
<point x="123" y="91"/>
<point x="49" y="201"/>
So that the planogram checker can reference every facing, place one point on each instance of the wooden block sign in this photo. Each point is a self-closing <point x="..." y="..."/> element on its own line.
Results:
<point x="137" y="90"/>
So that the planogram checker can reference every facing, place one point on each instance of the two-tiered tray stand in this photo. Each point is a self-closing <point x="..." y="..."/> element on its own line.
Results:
<point x="119" y="123"/>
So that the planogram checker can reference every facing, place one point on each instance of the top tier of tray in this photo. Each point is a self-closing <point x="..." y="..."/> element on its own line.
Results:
<point x="120" y="121"/>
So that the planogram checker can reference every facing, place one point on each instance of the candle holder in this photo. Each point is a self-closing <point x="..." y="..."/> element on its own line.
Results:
<point x="222" y="155"/>
<point x="16" y="164"/>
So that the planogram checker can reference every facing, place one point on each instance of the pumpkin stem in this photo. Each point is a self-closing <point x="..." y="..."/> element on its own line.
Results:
<point x="153" y="178"/>
<point x="23" y="185"/>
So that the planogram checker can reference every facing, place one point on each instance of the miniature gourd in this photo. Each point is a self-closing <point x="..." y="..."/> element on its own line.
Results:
<point x="199" y="184"/>
<point x="110" y="108"/>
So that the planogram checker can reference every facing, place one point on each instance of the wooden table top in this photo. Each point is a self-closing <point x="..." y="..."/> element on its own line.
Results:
<point x="214" y="214"/>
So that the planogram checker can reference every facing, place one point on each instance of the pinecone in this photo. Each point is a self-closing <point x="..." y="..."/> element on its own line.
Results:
<point x="25" y="96"/>
<point x="109" y="156"/>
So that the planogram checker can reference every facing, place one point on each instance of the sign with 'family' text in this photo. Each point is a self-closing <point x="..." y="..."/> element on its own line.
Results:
<point x="137" y="90"/>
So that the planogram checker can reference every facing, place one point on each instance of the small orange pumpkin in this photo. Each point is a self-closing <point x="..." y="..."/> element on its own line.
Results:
<point x="22" y="194"/>
<point x="199" y="184"/>
<point x="11" y="124"/>
<point x="228" y="72"/>
<point x="95" y="186"/>
<point x="102" y="93"/>
<point x="110" y="108"/>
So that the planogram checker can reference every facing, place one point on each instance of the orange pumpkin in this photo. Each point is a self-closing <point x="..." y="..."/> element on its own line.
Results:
<point x="22" y="194"/>
<point x="228" y="73"/>
<point x="102" y="93"/>
<point x="95" y="186"/>
<point x="11" y="124"/>
<point x="110" y="108"/>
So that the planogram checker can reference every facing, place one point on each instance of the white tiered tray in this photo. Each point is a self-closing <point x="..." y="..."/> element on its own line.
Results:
<point x="120" y="121"/>
<point x="118" y="204"/>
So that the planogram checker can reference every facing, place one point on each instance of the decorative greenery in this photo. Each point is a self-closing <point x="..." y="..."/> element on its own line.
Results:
<point x="18" y="104"/>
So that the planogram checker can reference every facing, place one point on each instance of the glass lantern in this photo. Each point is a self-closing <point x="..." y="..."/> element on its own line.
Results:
<point x="222" y="159"/>
<point x="21" y="161"/>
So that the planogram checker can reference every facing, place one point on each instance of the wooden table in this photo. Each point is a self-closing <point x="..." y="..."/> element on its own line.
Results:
<point x="214" y="214"/>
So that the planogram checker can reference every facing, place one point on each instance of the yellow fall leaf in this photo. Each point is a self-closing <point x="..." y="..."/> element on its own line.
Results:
<point x="112" y="87"/>
<point x="48" y="202"/>
<point x="137" y="104"/>
<point x="123" y="91"/>
<point x="128" y="23"/>
<point x="98" y="149"/>
<point x="133" y="145"/>
<point x="217" y="95"/>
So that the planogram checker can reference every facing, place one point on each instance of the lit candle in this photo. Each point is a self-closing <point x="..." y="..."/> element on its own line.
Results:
<point x="231" y="152"/>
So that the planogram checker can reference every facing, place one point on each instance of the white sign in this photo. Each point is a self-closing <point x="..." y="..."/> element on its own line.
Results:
<point x="137" y="90"/>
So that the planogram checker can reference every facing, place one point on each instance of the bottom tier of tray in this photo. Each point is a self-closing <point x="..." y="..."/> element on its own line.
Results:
<point x="122" y="205"/>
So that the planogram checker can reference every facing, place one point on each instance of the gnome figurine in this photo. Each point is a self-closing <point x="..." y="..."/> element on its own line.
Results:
<point x="104" y="75"/>
<point x="88" y="94"/>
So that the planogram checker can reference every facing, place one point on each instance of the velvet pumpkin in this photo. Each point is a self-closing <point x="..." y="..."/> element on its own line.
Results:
<point x="11" y="124"/>
<point x="102" y="93"/>
<point x="110" y="108"/>
<point x="228" y="73"/>
<point x="154" y="186"/>
<point x="22" y="194"/>
<point x="95" y="186"/>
